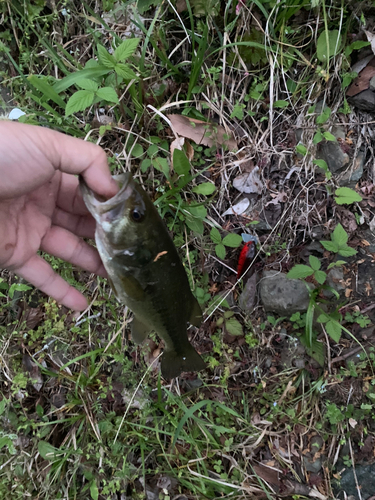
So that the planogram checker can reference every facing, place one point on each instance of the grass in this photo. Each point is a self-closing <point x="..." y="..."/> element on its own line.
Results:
<point x="84" y="413"/>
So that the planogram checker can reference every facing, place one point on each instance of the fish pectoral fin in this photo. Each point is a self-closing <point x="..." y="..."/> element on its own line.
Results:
<point x="139" y="331"/>
<point x="113" y="288"/>
<point x="196" y="313"/>
<point x="132" y="287"/>
<point x="172" y="364"/>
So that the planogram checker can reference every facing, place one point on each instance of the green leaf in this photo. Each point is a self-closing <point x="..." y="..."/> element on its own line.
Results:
<point x="125" y="71"/>
<point x="314" y="263"/>
<point x="324" y="116"/>
<point x="318" y="137"/>
<point x="300" y="271"/>
<point x="320" y="277"/>
<point x="137" y="151"/>
<point x="232" y="240"/>
<point x="317" y="351"/>
<point x="205" y="188"/>
<point x="77" y="76"/>
<point x="199" y="211"/>
<point x="18" y="287"/>
<point x="331" y="246"/>
<point x="3" y="404"/>
<point x="321" y="164"/>
<point x="359" y="44"/>
<point x="162" y="165"/>
<point x="181" y="164"/>
<point x="108" y="94"/>
<point x="323" y="318"/>
<point x="345" y="195"/>
<point x="333" y="329"/>
<point x="329" y="137"/>
<point x="87" y="84"/>
<point x="233" y="327"/>
<point x="126" y="49"/>
<point x="280" y="104"/>
<point x="146" y="164"/>
<point x="328" y="44"/>
<point x="339" y="236"/>
<point x="347" y="251"/>
<point x="220" y="251"/>
<point x="47" y="451"/>
<point x="46" y="89"/>
<point x="215" y="235"/>
<point x="79" y="101"/>
<point x="195" y="225"/>
<point x="94" y="492"/>
<point x="301" y="149"/>
<point x="105" y="57"/>
<point x="338" y="263"/>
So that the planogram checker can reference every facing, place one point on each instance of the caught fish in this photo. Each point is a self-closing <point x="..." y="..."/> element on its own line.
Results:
<point x="145" y="271"/>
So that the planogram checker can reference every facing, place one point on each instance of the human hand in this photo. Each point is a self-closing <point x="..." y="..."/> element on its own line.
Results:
<point x="41" y="206"/>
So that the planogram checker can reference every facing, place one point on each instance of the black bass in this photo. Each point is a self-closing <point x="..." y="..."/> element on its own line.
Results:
<point x="145" y="271"/>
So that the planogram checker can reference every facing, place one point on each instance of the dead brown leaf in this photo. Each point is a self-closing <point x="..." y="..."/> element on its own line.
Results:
<point x="206" y="133"/>
<point x="362" y="82"/>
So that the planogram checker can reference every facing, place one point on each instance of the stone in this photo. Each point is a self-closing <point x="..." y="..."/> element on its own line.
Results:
<point x="365" y="474"/>
<point x="247" y="298"/>
<point x="311" y="464"/>
<point x="365" y="101"/>
<point x="355" y="172"/>
<point x="335" y="279"/>
<point x="372" y="83"/>
<point x="332" y="153"/>
<point x="282" y="295"/>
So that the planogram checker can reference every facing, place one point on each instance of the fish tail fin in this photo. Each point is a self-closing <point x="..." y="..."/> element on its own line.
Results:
<point x="173" y="363"/>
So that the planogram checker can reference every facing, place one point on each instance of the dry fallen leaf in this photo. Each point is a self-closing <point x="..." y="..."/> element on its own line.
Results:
<point x="239" y="208"/>
<point x="206" y="133"/>
<point x="371" y="39"/>
<point x="249" y="183"/>
<point x="362" y="82"/>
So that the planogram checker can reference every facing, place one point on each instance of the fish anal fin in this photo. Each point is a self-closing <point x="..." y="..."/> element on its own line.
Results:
<point x="173" y="364"/>
<point x="196" y="313"/>
<point x="139" y="331"/>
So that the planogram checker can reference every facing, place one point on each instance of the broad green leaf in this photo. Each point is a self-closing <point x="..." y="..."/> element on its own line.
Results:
<point x="339" y="236"/>
<point x="146" y="163"/>
<point x="108" y="94"/>
<point x="324" y="116"/>
<point x="195" y="225"/>
<point x="77" y="76"/>
<point x="314" y="262"/>
<point x="18" y="287"/>
<point x="215" y="235"/>
<point x="46" y="89"/>
<point x="331" y="246"/>
<point x="94" y="492"/>
<point x="328" y="44"/>
<point x="316" y="351"/>
<point x="162" y="165"/>
<point x="181" y="164"/>
<point x="347" y="251"/>
<point x="137" y="151"/>
<point x="321" y="164"/>
<point x="232" y="240"/>
<point x="105" y="57"/>
<point x="205" y="188"/>
<point x="8" y="442"/>
<point x="3" y="404"/>
<point x="233" y="327"/>
<point x="126" y="49"/>
<point x="152" y="150"/>
<point x="301" y="149"/>
<point x="47" y="451"/>
<point x="87" y="84"/>
<point x="329" y="137"/>
<point x="318" y="137"/>
<point x="199" y="211"/>
<point x="333" y="329"/>
<point x="345" y="195"/>
<point x="323" y="318"/>
<point x="79" y="101"/>
<point x="359" y="44"/>
<point x="300" y="271"/>
<point x="338" y="263"/>
<point x="280" y="104"/>
<point x="220" y="251"/>
<point x="320" y="277"/>
<point x="125" y="71"/>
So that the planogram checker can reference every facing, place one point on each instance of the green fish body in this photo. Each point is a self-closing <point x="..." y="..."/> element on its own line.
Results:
<point x="145" y="272"/>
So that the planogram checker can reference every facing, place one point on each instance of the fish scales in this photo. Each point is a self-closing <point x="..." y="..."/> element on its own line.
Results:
<point x="145" y="271"/>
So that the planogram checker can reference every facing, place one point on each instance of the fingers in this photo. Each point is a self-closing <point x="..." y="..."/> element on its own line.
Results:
<point x="40" y="274"/>
<point x="67" y="246"/>
<point x="81" y="225"/>
<point x="69" y="197"/>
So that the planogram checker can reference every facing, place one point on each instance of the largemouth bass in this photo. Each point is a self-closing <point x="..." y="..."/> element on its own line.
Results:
<point x="145" y="271"/>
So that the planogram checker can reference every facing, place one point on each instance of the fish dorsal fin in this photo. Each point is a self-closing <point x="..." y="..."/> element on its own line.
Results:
<point x="196" y="313"/>
<point x="139" y="331"/>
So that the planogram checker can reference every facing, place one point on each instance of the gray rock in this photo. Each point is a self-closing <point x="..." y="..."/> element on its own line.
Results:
<point x="372" y="83"/>
<point x="282" y="295"/>
<point x="247" y="298"/>
<point x="339" y="132"/>
<point x="366" y="276"/>
<point x="354" y="173"/>
<point x="366" y="480"/>
<point x="335" y="280"/>
<point x="365" y="101"/>
<point x="312" y="465"/>
<point x="333" y="155"/>
<point x="369" y="236"/>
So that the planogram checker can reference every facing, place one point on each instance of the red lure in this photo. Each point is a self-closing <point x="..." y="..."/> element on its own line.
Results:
<point x="247" y="253"/>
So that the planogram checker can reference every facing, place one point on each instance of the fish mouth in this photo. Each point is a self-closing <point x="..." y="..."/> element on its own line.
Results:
<point x="97" y="204"/>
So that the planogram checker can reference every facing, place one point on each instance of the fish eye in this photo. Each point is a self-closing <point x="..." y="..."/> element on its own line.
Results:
<point x="138" y="215"/>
